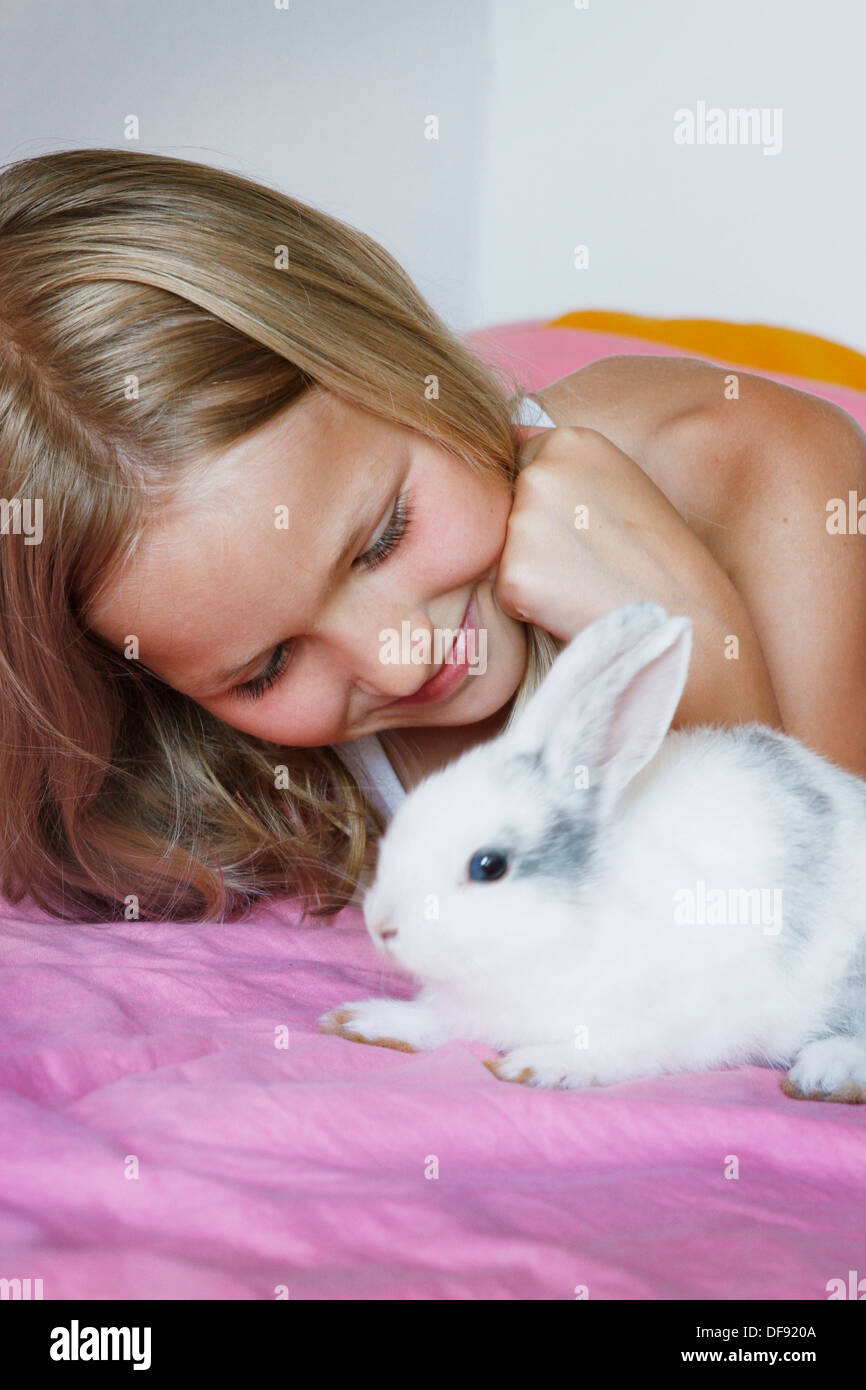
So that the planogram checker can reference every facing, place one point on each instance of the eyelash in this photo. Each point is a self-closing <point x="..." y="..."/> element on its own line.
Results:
<point x="396" y="531"/>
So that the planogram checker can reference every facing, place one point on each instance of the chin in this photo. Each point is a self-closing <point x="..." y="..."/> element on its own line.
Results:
<point x="489" y="698"/>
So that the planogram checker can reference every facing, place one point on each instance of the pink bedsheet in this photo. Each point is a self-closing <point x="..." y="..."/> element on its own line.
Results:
<point x="306" y="1166"/>
<point x="342" y="1171"/>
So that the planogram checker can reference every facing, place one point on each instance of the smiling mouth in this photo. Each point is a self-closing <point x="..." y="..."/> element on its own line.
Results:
<point x="454" y="668"/>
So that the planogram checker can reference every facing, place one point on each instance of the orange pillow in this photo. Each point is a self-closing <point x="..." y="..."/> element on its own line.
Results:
<point x="759" y="345"/>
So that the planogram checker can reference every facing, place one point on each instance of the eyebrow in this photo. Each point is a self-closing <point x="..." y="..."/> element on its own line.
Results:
<point x="231" y="673"/>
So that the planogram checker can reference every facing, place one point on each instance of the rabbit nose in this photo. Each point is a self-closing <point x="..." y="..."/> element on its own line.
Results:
<point x="385" y="932"/>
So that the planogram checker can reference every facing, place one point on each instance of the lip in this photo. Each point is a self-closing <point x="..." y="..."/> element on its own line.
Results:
<point x="451" y="674"/>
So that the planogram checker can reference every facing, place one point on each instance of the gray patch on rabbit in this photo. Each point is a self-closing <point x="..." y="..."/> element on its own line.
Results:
<point x="811" y="819"/>
<point x="561" y="850"/>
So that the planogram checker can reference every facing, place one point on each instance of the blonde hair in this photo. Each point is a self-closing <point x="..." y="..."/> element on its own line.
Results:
<point x="119" y="796"/>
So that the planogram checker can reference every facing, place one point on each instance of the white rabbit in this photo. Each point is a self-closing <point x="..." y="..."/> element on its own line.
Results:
<point x="602" y="902"/>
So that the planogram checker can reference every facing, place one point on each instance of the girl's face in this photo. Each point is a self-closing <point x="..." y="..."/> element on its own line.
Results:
<point x="234" y="603"/>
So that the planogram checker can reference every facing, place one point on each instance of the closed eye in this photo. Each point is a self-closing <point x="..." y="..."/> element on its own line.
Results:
<point x="388" y="542"/>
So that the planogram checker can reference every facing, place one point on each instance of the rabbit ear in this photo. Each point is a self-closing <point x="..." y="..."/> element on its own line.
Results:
<point x="614" y="722"/>
<point x="587" y="655"/>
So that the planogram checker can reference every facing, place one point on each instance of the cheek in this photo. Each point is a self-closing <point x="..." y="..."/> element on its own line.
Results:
<point x="459" y="530"/>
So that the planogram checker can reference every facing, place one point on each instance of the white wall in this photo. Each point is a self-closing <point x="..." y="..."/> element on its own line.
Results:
<point x="580" y="107"/>
<point x="556" y="128"/>
<point x="325" y="100"/>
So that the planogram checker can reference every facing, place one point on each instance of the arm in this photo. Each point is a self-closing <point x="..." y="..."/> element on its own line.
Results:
<point x="805" y="586"/>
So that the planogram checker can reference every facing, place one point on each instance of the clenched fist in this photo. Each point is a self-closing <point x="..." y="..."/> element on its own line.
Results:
<point x="588" y="531"/>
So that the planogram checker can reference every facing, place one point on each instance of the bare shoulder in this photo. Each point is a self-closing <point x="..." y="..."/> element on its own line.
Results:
<point x="668" y="414"/>
<point x="780" y="456"/>
<point x="630" y="397"/>
<point x="715" y="441"/>
<point x="765" y="475"/>
<point x="649" y="397"/>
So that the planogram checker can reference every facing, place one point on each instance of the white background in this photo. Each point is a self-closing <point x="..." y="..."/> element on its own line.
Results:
<point x="555" y="129"/>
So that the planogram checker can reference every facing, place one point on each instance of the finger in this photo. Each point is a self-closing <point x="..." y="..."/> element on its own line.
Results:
<point x="536" y="438"/>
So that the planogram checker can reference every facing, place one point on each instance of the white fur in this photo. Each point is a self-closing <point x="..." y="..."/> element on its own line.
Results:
<point x="585" y="976"/>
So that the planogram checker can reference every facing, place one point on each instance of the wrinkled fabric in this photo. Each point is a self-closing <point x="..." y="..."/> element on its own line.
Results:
<point x="157" y="1141"/>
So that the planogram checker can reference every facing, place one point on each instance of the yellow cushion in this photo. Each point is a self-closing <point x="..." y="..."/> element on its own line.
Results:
<point x="758" y="345"/>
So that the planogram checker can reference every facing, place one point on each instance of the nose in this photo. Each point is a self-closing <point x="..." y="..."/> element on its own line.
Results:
<point x="378" y="653"/>
<point x="377" y="909"/>
<point x="376" y="917"/>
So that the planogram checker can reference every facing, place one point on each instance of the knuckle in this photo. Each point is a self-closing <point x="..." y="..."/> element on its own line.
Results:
<point x="587" y="441"/>
<point x="572" y="442"/>
<point x="521" y="521"/>
<point x="534" y="480"/>
<point x="564" y="434"/>
<point x="506" y="575"/>
<point x="581" y="432"/>
<point x="514" y="582"/>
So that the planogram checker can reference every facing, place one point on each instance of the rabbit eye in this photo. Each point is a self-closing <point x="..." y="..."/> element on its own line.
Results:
<point x="487" y="864"/>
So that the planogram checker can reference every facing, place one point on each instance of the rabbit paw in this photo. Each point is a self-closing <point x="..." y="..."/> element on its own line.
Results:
<point x="544" y="1065"/>
<point x="829" y="1069"/>
<point x="398" y="1023"/>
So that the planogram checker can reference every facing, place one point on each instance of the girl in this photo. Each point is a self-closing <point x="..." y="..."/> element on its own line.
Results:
<point x="259" y="456"/>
